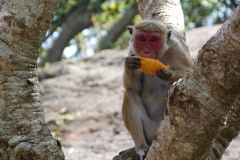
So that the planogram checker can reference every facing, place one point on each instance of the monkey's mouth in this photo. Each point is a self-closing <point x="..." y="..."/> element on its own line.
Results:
<point x="148" y="55"/>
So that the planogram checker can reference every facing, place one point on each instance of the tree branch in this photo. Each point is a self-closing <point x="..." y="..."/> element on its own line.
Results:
<point x="53" y="28"/>
<point x="199" y="103"/>
<point x="119" y="27"/>
<point x="230" y="130"/>
<point x="76" y="22"/>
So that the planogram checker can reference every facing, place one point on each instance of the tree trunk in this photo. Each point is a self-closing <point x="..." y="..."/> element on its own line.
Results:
<point x="202" y="109"/>
<point x="201" y="117"/>
<point x="119" y="27"/>
<point x="23" y="133"/>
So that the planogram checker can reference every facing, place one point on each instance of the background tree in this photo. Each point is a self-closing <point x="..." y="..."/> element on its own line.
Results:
<point x="199" y="13"/>
<point x="201" y="115"/>
<point x="24" y="134"/>
<point x="92" y="14"/>
<point x="103" y="25"/>
<point x="118" y="28"/>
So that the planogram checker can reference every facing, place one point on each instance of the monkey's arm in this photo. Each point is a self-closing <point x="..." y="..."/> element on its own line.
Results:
<point x="131" y="77"/>
<point x="133" y="112"/>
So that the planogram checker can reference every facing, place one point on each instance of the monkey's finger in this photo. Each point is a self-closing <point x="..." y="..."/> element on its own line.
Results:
<point x="136" y="59"/>
<point x="132" y="64"/>
<point x="132" y="67"/>
<point x="136" y="66"/>
<point x="159" y="74"/>
<point x="164" y="75"/>
<point x="132" y="60"/>
<point x="131" y="55"/>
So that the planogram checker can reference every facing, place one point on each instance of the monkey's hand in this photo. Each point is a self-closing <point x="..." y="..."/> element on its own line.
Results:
<point x="164" y="75"/>
<point x="132" y="63"/>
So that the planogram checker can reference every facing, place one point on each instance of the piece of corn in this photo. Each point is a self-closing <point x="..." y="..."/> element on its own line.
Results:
<point x="150" y="65"/>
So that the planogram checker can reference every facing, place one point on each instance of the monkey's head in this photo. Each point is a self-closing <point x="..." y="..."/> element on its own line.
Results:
<point x="149" y="38"/>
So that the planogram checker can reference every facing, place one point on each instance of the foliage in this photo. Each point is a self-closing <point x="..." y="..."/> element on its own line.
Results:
<point x="104" y="15"/>
<point x="122" y="41"/>
<point x="199" y="13"/>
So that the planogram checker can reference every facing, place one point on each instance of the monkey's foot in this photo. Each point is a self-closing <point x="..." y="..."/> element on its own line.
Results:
<point x="142" y="152"/>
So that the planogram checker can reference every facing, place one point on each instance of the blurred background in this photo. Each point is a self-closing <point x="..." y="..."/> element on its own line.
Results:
<point x="81" y="28"/>
<point x="81" y="67"/>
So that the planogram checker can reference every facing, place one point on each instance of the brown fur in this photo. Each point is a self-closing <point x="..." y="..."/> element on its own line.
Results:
<point x="145" y="95"/>
<point x="152" y="26"/>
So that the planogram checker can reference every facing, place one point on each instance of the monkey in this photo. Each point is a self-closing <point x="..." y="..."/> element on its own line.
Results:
<point x="145" y="95"/>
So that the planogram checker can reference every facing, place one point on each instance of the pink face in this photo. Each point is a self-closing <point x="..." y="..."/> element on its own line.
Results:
<point x="148" y="44"/>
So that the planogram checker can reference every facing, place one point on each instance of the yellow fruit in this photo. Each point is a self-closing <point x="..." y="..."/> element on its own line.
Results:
<point x="150" y="65"/>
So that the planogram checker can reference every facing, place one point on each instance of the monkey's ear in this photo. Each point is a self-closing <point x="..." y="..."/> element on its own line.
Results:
<point x="130" y="29"/>
<point x="169" y="33"/>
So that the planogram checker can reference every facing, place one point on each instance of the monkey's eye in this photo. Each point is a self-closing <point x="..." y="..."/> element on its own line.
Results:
<point x="143" y="39"/>
<point x="153" y="39"/>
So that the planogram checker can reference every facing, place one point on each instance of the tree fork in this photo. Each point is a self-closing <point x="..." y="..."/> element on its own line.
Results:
<point x="201" y="115"/>
<point x="194" y="126"/>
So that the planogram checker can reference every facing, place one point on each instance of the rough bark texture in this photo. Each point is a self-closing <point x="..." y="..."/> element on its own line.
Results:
<point x="201" y="117"/>
<point x="23" y="132"/>
<point x="230" y="131"/>
<point x="167" y="11"/>
<point x="170" y="12"/>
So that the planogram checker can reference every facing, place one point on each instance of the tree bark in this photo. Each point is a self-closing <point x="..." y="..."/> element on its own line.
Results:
<point x="119" y="27"/>
<point x="200" y="105"/>
<point x="201" y="117"/>
<point x="23" y="133"/>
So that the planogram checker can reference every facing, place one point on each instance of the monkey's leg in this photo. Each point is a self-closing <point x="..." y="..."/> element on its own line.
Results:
<point x="134" y="115"/>
<point x="150" y="130"/>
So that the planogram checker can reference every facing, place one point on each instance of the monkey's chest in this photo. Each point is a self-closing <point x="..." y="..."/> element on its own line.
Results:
<point x="155" y="89"/>
<point x="154" y="86"/>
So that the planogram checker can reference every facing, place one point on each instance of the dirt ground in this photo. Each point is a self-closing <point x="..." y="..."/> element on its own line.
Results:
<point x="82" y="102"/>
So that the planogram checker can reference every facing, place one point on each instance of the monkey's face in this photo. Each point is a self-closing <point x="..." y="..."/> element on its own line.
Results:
<point x="148" y="44"/>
